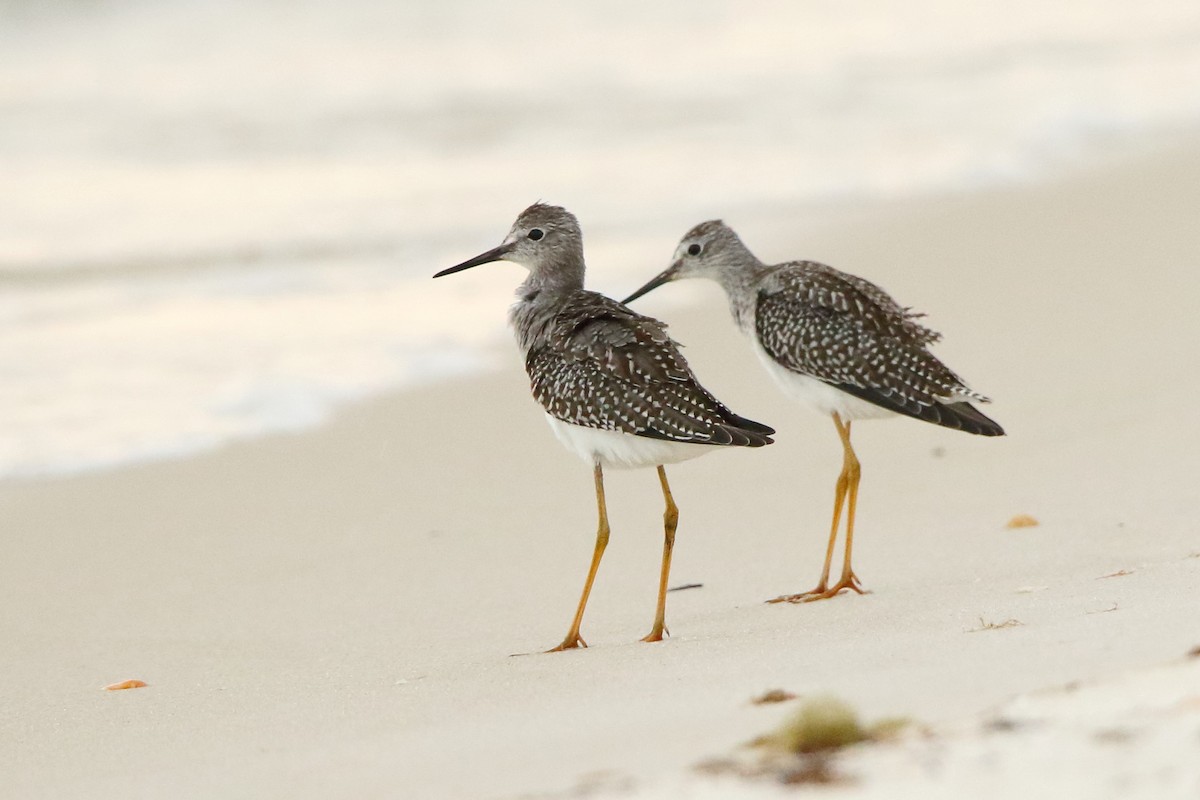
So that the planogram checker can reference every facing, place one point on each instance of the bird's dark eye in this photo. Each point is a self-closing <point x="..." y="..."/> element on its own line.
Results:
<point x="536" y="234"/>
<point x="693" y="249"/>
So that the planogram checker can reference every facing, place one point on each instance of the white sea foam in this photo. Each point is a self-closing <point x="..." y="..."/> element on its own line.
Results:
<point x="219" y="218"/>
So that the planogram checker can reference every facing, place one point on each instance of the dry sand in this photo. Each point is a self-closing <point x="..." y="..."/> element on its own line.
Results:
<point x="332" y="613"/>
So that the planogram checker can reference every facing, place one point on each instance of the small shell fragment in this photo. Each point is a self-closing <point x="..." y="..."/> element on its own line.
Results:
<point x="1022" y="521"/>
<point x="773" y="696"/>
<point x="129" y="684"/>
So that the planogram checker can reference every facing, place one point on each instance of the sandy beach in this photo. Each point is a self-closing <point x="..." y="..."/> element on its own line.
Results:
<point x="333" y="613"/>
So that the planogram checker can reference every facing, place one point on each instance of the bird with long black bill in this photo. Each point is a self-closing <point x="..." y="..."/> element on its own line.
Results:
<point x="614" y="386"/>
<point x="836" y="342"/>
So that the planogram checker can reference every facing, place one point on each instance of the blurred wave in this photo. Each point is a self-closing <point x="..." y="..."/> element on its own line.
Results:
<point x="218" y="218"/>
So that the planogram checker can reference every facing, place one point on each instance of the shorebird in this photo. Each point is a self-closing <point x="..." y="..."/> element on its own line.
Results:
<point x="836" y="342"/>
<point x="614" y="386"/>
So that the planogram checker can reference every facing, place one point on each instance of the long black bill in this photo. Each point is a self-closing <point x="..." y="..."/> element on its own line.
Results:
<point x="495" y="254"/>
<point x="666" y="276"/>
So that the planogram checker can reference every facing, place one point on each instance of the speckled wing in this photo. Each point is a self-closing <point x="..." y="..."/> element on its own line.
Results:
<point x="873" y="309"/>
<point x="841" y="329"/>
<point x="605" y="366"/>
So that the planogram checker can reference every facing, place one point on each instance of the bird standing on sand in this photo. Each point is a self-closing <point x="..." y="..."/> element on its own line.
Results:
<point x="837" y="342"/>
<point x="614" y="386"/>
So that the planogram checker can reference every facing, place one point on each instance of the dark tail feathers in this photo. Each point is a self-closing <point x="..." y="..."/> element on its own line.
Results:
<point x="960" y="416"/>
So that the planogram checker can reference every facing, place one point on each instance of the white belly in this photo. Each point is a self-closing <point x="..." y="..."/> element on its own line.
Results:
<point x="622" y="450"/>
<point x="815" y="393"/>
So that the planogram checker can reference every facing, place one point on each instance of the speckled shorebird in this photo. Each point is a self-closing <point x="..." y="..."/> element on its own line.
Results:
<point x="615" y="388"/>
<point x="836" y="342"/>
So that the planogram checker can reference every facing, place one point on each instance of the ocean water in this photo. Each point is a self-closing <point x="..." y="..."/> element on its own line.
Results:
<point x="219" y="219"/>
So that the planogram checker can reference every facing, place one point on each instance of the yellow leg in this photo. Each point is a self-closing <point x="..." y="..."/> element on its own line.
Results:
<point x="670" y="522"/>
<point x="845" y="493"/>
<point x="573" y="639"/>
<point x="849" y="580"/>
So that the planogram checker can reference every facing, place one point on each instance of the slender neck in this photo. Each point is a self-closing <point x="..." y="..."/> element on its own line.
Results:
<point x="740" y="274"/>
<point x="540" y="298"/>
<point x="560" y="277"/>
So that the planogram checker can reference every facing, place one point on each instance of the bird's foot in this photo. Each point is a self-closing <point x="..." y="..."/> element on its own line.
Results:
<point x="849" y="581"/>
<point x="572" y="642"/>
<point x="656" y="634"/>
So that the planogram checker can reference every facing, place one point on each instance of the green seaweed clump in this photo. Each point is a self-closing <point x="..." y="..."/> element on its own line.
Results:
<point x="822" y="725"/>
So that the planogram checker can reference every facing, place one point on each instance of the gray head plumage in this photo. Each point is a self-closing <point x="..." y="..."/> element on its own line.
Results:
<point x="547" y="241"/>
<point x="709" y="250"/>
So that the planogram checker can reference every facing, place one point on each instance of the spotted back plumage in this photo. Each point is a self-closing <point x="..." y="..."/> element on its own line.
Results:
<point x="846" y="331"/>
<point x="869" y="306"/>
<point x="596" y="363"/>
<point x="592" y="361"/>
<point x="820" y="323"/>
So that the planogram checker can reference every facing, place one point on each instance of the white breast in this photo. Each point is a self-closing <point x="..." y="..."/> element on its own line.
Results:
<point x="816" y="393"/>
<point x="622" y="450"/>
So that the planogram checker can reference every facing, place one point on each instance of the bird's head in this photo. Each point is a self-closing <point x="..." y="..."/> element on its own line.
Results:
<point x="542" y="237"/>
<point x="706" y="251"/>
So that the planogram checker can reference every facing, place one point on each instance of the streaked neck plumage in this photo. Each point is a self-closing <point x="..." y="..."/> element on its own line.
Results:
<point x="740" y="274"/>
<point x="550" y="284"/>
